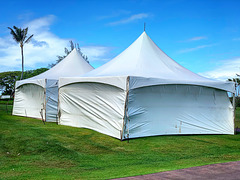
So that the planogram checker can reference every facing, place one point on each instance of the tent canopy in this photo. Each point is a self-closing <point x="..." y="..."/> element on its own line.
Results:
<point x="70" y="66"/>
<point x="144" y="59"/>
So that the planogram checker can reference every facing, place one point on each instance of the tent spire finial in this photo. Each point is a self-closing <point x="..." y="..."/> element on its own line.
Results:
<point x="144" y="26"/>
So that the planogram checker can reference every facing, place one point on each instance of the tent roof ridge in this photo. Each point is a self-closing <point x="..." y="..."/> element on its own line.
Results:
<point x="141" y="46"/>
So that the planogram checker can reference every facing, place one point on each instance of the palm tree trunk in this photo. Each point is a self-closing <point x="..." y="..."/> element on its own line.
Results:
<point x="22" y="61"/>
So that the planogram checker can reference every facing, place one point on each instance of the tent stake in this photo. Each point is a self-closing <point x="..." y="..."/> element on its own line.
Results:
<point x="41" y="113"/>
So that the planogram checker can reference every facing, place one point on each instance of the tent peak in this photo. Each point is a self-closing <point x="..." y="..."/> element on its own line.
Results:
<point x="144" y="33"/>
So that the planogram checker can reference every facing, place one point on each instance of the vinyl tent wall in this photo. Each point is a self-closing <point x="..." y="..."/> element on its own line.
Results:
<point x="128" y="112"/>
<point x="51" y="105"/>
<point x="29" y="100"/>
<point x="37" y="100"/>
<point x="160" y="107"/>
<point x="97" y="105"/>
<point x="178" y="109"/>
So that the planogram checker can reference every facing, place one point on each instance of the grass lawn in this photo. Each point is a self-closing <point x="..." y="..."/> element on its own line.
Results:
<point x="31" y="150"/>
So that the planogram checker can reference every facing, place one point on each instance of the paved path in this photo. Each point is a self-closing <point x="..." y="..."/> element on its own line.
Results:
<point x="222" y="171"/>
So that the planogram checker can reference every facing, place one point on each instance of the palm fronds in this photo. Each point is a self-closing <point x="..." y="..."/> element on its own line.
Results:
<point x="28" y="39"/>
<point x="20" y="35"/>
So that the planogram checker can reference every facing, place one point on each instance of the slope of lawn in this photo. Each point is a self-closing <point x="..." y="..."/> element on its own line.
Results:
<point x="31" y="150"/>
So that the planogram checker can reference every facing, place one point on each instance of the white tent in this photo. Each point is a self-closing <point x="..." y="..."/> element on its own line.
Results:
<point x="37" y="97"/>
<point x="143" y="92"/>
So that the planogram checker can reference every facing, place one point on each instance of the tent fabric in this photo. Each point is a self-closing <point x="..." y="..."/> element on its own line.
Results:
<point x="72" y="65"/>
<point x="178" y="109"/>
<point x="95" y="106"/>
<point x="144" y="58"/>
<point x="29" y="101"/>
<point x="51" y="100"/>
<point x="152" y="110"/>
<point x="39" y="82"/>
<point x="137" y="82"/>
<point x="118" y="81"/>
<point x="143" y="92"/>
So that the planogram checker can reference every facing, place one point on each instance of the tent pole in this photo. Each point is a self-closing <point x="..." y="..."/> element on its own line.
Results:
<point x="125" y="109"/>
<point x="58" y="107"/>
<point x="45" y="94"/>
<point x="234" y="111"/>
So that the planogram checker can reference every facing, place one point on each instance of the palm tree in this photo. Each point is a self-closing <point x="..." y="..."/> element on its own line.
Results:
<point x="20" y="36"/>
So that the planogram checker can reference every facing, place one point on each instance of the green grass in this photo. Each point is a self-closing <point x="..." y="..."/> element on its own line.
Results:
<point x="31" y="150"/>
<point x="8" y="102"/>
<point x="237" y="115"/>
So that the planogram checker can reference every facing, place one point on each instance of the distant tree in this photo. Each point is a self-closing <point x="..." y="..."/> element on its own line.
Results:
<point x="79" y="50"/>
<point x="35" y="72"/>
<point x="20" y="36"/>
<point x="237" y="84"/>
<point x="236" y="80"/>
<point x="8" y="79"/>
<point x="72" y="46"/>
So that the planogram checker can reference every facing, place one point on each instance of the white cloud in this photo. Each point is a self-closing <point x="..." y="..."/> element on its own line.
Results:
<point x="43" y="48"/>
<point x="195" y="48"/>
<point x="130" y="19"/>
<point x="41" y="24"/>
<point x="228" y="69"/>
<point x="96" y="53"/>
<point x="197" y="38"/>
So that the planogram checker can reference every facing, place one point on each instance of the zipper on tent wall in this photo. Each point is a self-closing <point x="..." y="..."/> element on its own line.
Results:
<point x="125" y="117"/>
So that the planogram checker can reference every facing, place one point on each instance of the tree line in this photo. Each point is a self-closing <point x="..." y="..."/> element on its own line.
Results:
<point x="8" y="79"/>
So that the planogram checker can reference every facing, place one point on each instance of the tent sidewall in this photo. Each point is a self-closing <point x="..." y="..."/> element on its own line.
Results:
<point x="29" y="100"/>
<point x="93" y="105"/>
<point x="51" y="100"/>
<point x="178" y="109"/>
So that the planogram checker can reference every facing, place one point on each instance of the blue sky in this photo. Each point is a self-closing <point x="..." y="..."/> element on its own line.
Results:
<point x="203" y="36"/>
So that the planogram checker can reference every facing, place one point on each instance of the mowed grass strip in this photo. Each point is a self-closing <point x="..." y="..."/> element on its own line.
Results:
<point x="31" y="150"/>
